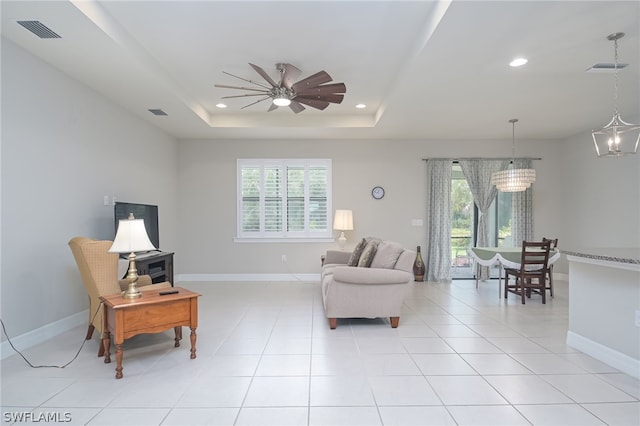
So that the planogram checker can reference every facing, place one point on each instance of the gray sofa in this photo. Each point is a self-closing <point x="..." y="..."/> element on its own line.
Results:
<point x="368" y="282"/>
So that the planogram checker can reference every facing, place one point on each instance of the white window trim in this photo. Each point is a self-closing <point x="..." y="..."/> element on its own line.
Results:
<point x="293" y="237"/>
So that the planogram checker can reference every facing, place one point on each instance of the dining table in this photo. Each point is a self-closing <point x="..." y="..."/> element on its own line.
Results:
<point x="509" y="257"/>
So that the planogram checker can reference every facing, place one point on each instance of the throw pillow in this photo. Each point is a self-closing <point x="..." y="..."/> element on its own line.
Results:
<point x="387" y="255"/>
<point x="357" y="252"/>
<point x="367" y="255"/>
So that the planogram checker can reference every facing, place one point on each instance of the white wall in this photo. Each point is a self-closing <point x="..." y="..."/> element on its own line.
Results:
<point x="207" y="196"/>
<point x="63" y="148"/>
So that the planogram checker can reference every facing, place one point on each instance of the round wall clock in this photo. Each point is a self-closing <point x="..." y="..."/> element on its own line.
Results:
<point x="377" y="192"/>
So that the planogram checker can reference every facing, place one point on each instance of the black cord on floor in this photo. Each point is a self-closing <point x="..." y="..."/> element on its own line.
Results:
<point x="47" y="366"/>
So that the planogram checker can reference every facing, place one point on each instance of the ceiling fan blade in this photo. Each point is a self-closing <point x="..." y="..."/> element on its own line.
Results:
<point x="314" y="80"/>
<point x="289" y="75"/>
<point x="258" y="101"/>
<point x="313" y="103"/>
<point x="296" y="107"/>
<point x="272" y="107"/>
<point x="224" y="86"/>
<point x="247" y="80"/>
<point x="264" y="74"/>
<point x="244" y="96"/>
<point x="325" y="89"/>
<point x="333" y="98"/>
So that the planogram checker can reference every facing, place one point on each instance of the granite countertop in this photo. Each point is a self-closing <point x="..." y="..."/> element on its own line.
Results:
<point x="621" y="255"/>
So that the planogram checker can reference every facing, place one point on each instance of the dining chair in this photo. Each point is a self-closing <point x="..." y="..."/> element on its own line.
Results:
<point x="554" y="245"/>
<point x="532" y="273"/>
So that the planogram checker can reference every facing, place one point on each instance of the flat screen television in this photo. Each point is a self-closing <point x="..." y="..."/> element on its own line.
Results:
<point x="140" y="211"/>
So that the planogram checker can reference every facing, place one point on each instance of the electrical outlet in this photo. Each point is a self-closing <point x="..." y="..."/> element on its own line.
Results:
<point x="284" y="258"/>
<point x="637" y="318"/>
<point x="105" y="200"/>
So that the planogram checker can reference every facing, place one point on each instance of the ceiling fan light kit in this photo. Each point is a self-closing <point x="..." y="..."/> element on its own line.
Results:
<point x="311" y="91"/>
<point x="282" y="100"/>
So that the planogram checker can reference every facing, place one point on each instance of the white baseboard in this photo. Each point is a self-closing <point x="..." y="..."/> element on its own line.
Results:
<point x="44" y="333"/>
<point x="304" y="278"/>
<point x="615" y="359"/>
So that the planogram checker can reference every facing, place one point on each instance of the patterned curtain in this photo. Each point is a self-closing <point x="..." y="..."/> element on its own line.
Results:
<point x="522" y="209"/>
<point x="438" y="256"/>
<point x="478" y="174"/>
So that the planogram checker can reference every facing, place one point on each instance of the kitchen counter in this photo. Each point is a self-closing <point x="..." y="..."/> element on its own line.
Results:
<point x="622" y="256"/>
<point x="604" y="305"/>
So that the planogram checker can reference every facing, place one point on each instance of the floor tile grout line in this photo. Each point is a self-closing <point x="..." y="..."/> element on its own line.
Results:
<point x="547" y="341"/>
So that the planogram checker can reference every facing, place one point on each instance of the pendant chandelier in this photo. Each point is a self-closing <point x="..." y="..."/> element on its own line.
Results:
<point x="617" y="138"/>
<point x="512" y="179"/>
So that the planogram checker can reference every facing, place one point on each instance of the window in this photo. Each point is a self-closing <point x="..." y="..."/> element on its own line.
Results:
<point x="284" y="199"/>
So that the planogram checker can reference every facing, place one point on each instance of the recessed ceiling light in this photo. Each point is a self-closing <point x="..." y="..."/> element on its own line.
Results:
<point x="361" y="106"/>
<point x="518" y="62"/>
<point x="221" y="105"/>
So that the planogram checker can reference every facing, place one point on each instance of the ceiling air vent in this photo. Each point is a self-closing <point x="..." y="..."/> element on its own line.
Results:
<point x="39" y="29"/>
<point x="157" y="112"/>
<point x="605" y="68"/>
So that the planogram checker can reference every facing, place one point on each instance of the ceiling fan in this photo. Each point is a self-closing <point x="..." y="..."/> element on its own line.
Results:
<point x="311" y="91"/>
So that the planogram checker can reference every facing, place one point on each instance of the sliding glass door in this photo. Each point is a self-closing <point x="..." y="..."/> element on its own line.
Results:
<point x="464" y="221"/>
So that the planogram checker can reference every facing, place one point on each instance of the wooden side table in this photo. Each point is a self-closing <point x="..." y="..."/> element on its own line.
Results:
<point x="152" y="313"/>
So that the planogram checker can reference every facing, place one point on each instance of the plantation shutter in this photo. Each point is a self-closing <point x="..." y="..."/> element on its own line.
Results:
<point x="287" y="198"/>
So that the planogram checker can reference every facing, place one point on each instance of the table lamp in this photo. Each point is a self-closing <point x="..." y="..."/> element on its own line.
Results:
<point x="130" y="238"/>
<point x="343" y="221"/>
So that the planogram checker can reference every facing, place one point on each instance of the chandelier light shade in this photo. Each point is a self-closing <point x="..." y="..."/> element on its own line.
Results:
<point x="512" y="179"/>
<point x="343" y="221"/>
<point x="618" y="138"/>
<point x="130" y="238"/>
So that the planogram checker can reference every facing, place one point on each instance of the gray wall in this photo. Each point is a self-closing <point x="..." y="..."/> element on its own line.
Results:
<point x="600" y="202"/>
<point x="207" y="196"/>
<point x="63" y="148"/>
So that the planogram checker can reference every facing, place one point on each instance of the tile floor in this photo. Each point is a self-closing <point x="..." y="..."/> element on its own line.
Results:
<point x="266" y="356"/>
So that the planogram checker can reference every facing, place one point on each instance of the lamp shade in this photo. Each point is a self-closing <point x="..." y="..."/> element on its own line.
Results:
<point x="343" y="220"/>
<point x="131" y="237"/>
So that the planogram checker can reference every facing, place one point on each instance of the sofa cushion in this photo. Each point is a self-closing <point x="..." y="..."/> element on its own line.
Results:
<point x="370" y="276"/>
<point x="387" y="255"/>
<point x="357" y="252"/>
<point x="368" y="254"/>
<point x="336" y="257"/>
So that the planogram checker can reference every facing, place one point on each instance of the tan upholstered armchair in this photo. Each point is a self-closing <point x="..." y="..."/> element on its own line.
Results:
<point x="99" y="271"/>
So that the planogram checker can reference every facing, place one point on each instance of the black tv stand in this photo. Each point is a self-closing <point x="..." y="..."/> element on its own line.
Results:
<point x="157" y="264"/>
